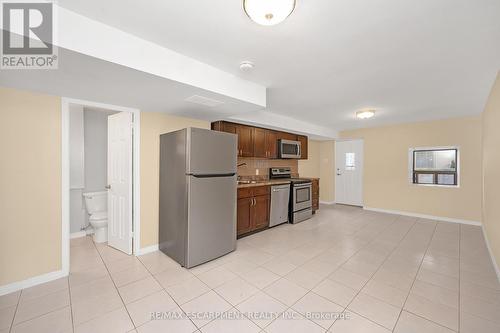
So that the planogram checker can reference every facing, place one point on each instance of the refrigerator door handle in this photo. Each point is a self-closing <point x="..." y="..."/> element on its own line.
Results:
<point x="231" y="174"/>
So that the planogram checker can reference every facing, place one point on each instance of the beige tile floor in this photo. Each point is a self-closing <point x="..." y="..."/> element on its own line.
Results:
<point x="380" y="272"/>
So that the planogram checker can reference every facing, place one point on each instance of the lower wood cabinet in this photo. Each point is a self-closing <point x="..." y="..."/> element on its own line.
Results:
<point x="315" y="194"/>
<point x="253" y="209"/>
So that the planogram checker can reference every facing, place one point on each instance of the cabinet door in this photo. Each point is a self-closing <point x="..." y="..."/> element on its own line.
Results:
<point x="303" y="146"/>
<point x="230" y="128"/>
<point x="260" y="212"/>
<point x="259" y="143"/>
<point x="287" y="136"/>
<point x="245" y="140"/>
<point x="244" y="219"/>
<point x="272" y="144"/>
<point x="315" y="194"/>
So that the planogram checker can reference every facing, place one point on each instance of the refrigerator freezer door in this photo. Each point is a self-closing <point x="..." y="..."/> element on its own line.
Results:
<point x="211" y="218"/>
<point x="211" y="152"/>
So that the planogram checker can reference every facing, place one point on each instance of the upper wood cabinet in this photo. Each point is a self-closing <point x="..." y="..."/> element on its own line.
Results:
<point x="259" y="142"/>
<point x="271" y="144"/>
<point x="245" y="136"/>
<point x="245" y="140"/>
<point x="287" y="136"/>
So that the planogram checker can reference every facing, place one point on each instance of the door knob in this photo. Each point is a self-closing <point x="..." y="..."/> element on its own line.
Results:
<point x="108" y="187"/>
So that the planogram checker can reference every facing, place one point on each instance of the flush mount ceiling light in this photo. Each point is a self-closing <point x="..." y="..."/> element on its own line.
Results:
<point x="365" y="114"/>
<point x="268" y="12"/>
<point x="246" y="66"/>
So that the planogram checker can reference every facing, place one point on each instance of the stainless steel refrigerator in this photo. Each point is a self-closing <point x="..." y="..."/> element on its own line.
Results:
<point x="197" y="195"/>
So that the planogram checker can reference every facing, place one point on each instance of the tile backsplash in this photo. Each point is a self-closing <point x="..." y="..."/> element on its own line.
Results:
<point x="258" y="169"/>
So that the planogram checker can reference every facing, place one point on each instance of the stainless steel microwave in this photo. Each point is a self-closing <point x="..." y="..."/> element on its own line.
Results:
<point x="289" y="149"/>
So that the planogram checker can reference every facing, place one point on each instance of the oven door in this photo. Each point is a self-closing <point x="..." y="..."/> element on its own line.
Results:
<point x="302" y="196"/>
<point x="289" y="149"/>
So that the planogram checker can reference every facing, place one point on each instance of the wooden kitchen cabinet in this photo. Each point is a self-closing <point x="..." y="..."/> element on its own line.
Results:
<point x="303" y="146"/>
<point x="315" y="194"/>
<point x="253" y="209"/>
<point x="287" y="136"/>
<point x="271" y="144"/>
<point x="260" y="218"/>
<point x="259" y="142"/>
<point x="245" y="136"/>
<point x="244" y="218"/>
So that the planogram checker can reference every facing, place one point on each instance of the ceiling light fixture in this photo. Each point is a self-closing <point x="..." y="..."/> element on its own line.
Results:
<point x="246" y="66"/>
<point x="365" y="114"/>
<point x="268" y="12"/>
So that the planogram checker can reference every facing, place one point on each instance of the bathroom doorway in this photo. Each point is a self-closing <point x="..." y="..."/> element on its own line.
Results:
<point x="100" y="175"/>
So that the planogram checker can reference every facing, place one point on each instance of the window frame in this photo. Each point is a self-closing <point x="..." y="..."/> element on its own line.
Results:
<point x="413" y="173"/>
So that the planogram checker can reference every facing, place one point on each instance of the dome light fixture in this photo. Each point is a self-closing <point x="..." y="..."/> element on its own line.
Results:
<point x="268" y="12"/>
<point x="365" y="113"/>
<point x="246" y="66"/>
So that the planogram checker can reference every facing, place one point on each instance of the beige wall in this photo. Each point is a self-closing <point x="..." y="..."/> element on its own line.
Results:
<point x="310" y="167"/>
<point x="491" y="170"/>
<point x="152" y="125"/>
<point x="327" y="171"/>
<point x="386" y="181"/>
<point x="30" y="185"/>
<point x="320" y="164"/>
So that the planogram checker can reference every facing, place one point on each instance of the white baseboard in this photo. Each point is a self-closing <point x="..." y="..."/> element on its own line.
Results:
<point x="146" y="250"/>
<point x="78" y="234"/>
<point x="423" y="216"/>
<point x="327" y="202"/>
<point x="495" y="265"/>
<point x="15" y="286"/>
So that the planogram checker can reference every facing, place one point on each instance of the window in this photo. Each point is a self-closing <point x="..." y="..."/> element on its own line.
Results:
<point x="350" y="161"/>
<point x="435" y="166"/>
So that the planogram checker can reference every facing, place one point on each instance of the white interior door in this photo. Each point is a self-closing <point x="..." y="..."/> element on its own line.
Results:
<point x="120" y="181"/>
<point x="349" y="172"/>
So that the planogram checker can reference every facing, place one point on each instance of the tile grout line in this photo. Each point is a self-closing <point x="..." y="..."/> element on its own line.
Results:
<point x="114" y="284"/>
<point x="71" y="306"/>
<point x="371" y="277"/>
<point x="419" y="267"/>
<point x="15" y="311"/>
<point x="40" y="315"/>
<point x="178" y="305"/>
<point x="326" y="278"/>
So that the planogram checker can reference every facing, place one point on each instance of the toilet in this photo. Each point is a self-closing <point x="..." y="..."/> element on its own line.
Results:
<point x="97" y="208"/>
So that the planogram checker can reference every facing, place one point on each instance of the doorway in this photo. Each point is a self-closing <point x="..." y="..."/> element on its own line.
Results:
<point x="349" y="172"/>
<point x="100" y="175"/>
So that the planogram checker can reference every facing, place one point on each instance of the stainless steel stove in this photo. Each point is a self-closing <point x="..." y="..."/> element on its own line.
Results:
<point x="300" y="207"/>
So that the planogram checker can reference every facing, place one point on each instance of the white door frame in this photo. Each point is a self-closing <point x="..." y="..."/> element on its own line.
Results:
<point x="65" y="102"/>
<point x="362" y="173"/>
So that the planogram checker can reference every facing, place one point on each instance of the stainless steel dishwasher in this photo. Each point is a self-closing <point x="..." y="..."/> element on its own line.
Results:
<point x="280" y="196"/>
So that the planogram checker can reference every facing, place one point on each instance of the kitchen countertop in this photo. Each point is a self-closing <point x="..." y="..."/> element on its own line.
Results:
<point x="265" y="183"/>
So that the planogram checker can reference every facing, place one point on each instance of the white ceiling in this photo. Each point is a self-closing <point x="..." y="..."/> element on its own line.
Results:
<point x="412" y="60"/>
